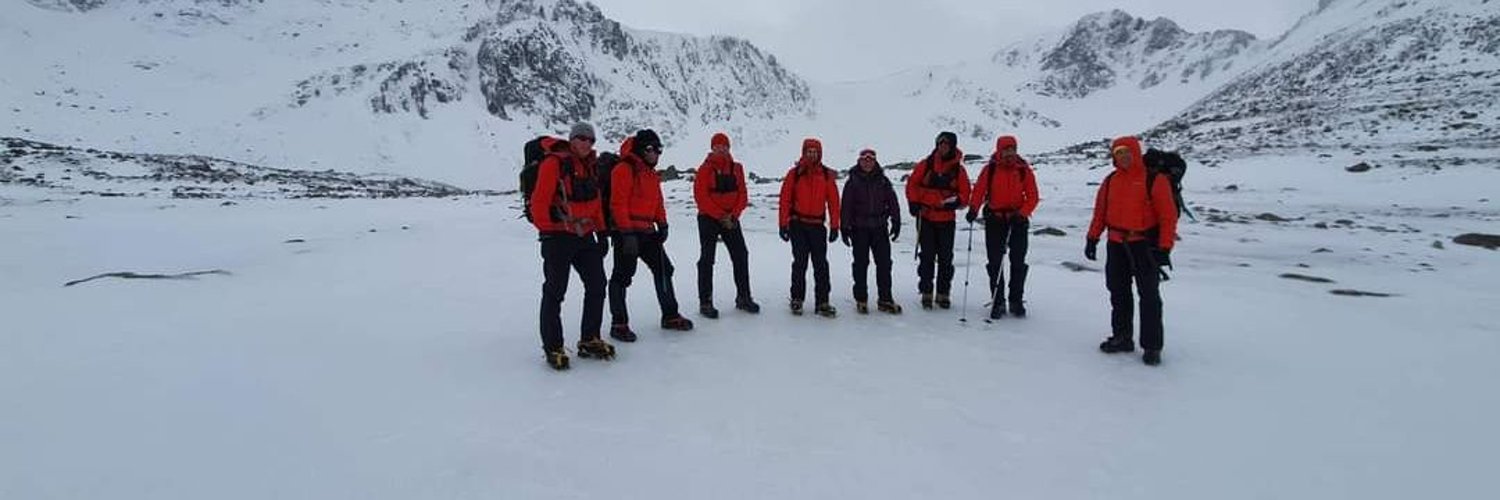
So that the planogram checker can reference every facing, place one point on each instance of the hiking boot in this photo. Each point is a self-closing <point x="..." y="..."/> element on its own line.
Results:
<point x="997" y="310"/>
<point x="943" y="301"/>
<point x="826" y="310"/>
<point x="796" y="307"/>
<point x="747" y="305"/>
<point x="862" y="307"/>
<point x="927" y="301"/>
<point x="678" y="323"/>
<point x="596" y="348"/>
<point x="1018" y="309"/>
<point x="1117" y="344"/>
<point x="888" y="306"/>
<point x="621" y="333"/>
<point x="1151" y="358"/>
<point x="708" y="311"/>
<point x="557" y="359"/>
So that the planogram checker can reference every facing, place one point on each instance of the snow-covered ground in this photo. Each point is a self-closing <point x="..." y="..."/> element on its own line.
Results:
<point x="392" y="352"/>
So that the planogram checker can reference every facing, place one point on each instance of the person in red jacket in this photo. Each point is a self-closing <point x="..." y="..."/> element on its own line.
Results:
<point x="569" y="219"/>
<point x="1005" y="195"/>
<point x="938" y="186"/>
<point x="640" y="218"/>
<point x="719" y="190"/>
<point x="810" y="197"/>
<point x="1139" y="211"/>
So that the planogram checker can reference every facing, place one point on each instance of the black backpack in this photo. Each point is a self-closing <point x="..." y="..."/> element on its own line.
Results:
<point x="603" y="167"/>
<point x="1172" y="165"/>
<point x="534" y="151"/>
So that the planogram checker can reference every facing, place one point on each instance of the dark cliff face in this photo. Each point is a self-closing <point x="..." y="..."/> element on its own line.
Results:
<point x="562" y="61"/>
<point x="1113" y="48"/>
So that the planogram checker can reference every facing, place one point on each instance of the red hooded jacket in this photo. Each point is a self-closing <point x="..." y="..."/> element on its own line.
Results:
<point x="807" y="188"/>
<point x="927" y="188"/>
<point x="560" y="179"/>
<point x="1008" y="185"/>
<point x="635" y="200"/>
<point x="717" y="169"/>
<point x="1124" y="206"/>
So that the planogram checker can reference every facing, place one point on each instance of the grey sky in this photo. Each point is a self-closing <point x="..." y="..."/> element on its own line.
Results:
<point x="836" y="40"/>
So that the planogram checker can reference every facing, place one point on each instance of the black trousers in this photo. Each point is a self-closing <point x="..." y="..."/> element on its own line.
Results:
<point x="648" y="249"/>
<point x="710" y="231"/>
<point x="1002" y="234"/>
<point x="877" y="241"/>
<point x="586" y="256"/>
<point x="1126" y="262"/>
<point x="936" y="254"/>
<point x="809" y="241"/>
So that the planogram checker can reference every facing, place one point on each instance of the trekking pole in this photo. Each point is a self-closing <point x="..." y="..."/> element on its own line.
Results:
<point x="963" y="316"/>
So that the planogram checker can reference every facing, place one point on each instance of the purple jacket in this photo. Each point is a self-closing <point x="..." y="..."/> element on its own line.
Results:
<point x="870" y="200"/>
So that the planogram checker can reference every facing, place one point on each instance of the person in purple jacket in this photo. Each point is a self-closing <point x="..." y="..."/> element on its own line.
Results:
<point x="872" y="212"/>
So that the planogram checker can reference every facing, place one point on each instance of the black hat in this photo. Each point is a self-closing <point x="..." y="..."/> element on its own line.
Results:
<point x="644" y="139"/>
<point x="951" y="137"/>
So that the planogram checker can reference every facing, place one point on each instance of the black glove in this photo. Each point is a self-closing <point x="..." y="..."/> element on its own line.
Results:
<point x="915" y="209"/>
<point x="1163" y="257"/>
<point x="833" y="235"/>
<point x="786" y="234"/>
<point x="629" y="245"/>
<point x="661" y="232"/>
<point x="951" y="203"/>
<point x="895" y="230"/>
<point x="973" y="214"/>
<point x="603" y="244"/>
<point x="1091" y="250"/>
<point x="848" y="242"/>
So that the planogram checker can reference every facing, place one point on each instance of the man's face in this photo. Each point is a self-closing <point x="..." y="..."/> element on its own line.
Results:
<point x="945" y="148"/>
<point x="867" y="161"/>
<point x="581" y="145"/>
<point x="651" y="154"/>
<point x="1008" y="153"/>
<point x="1122" y="157"/>
<point x="812" y="154"/>
<point x="721" y="149"/>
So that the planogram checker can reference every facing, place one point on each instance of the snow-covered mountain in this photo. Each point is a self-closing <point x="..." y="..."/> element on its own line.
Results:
<point x="1361" y="74"/>
<point x="1109" y="49"/>
<point x="562" y="62"/>
<point x="1107" y="73"/>
<point x="445" y="91"/>
<point x="449" y="90"/>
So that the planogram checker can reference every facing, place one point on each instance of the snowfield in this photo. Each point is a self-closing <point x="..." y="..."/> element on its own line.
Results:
<point x="388" y="349"/>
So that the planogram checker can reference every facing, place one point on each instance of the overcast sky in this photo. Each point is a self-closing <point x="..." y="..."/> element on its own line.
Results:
<point x="837" y="40"/>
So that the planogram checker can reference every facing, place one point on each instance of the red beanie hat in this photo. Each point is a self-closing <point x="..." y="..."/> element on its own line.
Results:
<point x="718" y="139"/>
<point x="810" y="143"/>
<point x="1005" y="141"/>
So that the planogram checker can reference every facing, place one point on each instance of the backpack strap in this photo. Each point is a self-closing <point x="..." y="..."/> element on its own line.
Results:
<point x="984" y="174"/>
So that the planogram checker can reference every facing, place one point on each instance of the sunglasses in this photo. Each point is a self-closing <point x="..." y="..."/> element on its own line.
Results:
<point x="583" y="138"/>
<point x="866" y="156"/>
<point x="652" y="149"/>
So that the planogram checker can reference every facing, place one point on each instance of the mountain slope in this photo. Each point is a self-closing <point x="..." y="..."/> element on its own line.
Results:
<point x="1106" y="73"/>
<point x="437" y="90"/>
<point x="1398" y="74"/>
<point x="1109" y="49"/>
